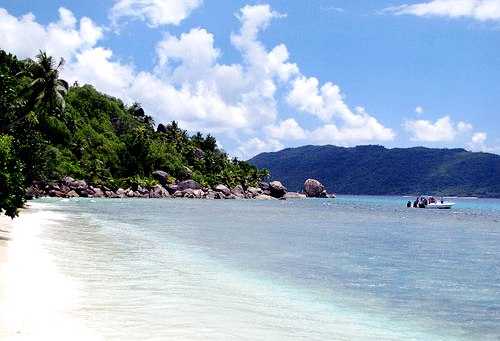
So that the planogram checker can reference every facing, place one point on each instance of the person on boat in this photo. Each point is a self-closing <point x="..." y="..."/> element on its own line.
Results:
<point x="408" y="204"/>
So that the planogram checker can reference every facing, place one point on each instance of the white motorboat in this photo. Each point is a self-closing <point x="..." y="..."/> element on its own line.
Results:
<point x="441" y="205"/>
<point x="431" y="202"/>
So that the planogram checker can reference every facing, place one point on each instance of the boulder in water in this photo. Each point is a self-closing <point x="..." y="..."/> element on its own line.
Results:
<point x="314" y="189"/>
<point x="277" y="189"/>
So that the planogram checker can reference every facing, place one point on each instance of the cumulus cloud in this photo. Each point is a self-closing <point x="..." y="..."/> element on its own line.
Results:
<point x="327" y="103"/>
<point x="190" y="84"/>
<point x="194" y="51"/>
<point x="96" y="66"/>
<point x="288" y="129"/>
<point x="482" y="10"/>
<point x="443" y="130"/>
<point x="154" y="12"/>
<point x="419" y="110"/>
<point x="478" y="141"/>
<point x="262" y="64"/>
<point x="24" y="36"/>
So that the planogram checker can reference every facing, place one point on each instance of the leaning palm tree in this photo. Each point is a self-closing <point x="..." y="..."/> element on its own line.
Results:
<point x="47" y="90"/>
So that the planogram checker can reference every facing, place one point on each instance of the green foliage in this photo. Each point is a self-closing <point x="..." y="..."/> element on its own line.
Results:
<point x="46" y="91"/>
<point x="380" y="171"/>
<point x="11" y="179"/>
<point x="77" y="131"/>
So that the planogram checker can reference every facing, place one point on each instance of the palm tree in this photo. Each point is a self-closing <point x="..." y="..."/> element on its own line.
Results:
<point x="47" y="90"/>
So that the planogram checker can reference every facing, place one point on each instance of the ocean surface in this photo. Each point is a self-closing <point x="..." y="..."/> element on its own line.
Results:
<point x="351" y="268"/>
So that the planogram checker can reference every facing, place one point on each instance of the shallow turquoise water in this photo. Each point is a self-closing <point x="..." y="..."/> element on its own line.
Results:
<point x="353" y="268"/>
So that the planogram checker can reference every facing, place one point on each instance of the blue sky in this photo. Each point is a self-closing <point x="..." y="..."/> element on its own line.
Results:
<point x="264" y="75"/>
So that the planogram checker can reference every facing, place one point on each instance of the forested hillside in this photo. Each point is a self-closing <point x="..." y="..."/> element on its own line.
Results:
<point x="49" y="129"/>
<point x="380" y="171"/>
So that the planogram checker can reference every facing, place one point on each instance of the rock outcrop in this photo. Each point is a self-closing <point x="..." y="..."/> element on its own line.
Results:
<point x="238" y="192"/>
<point x="71" y="188"/>
<point x="222" y="189"/>
<point x="314" y="189"/>
<point x="161" y="177"/>
<point x="277" y="190"/>
<point x="188" y="184"/>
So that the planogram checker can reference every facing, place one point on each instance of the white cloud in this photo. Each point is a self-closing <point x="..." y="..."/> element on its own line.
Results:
<point x="255" y="146"/>
<point x="154" y="12"/>
<point x="478" y="144"/>
<point x="25" y="37"/>
<point x="327" y="103"/>
<point x="95" y="66"/>
<point x="482" y="10"/>
<point x="288" y="129"/>
<point x="197" y="109"/>
<point x="194" y="50"/>
<point x="262" y="65"/>
<point x="479" y="138"/>
<point x="443" y="130"/>
<point x="370" y="131"/>
<point x="419" y="110"/>
<point x="189" y="84"/>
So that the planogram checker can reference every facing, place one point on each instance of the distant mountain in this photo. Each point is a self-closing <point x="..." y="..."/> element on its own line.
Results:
<point x="380" y="171"/>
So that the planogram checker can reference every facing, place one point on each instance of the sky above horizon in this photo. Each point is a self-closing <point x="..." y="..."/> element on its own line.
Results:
<point x="266" y="75"/>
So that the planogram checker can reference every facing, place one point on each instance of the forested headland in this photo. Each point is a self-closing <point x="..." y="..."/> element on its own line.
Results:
<point x="376" y="170"/>
<point x="50" y="129"/>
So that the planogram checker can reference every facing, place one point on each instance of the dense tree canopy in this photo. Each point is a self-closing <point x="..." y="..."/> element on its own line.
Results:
<point x="51" y="130"/>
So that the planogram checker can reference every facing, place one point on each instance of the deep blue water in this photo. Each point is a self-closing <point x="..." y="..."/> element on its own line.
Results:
<point x="352" y="268"/>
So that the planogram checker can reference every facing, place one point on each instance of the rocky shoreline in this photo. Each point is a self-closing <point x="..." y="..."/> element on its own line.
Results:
<point x="68" y="187"/>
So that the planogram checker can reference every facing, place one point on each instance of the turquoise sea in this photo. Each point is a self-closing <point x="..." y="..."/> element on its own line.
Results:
<point x="351" y="268"/>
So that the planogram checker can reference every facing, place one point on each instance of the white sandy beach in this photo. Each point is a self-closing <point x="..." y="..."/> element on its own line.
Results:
<point x="5" y="235"/>
<point x="34" y="297"/>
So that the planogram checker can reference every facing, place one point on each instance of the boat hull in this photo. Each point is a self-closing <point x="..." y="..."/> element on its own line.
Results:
<point x="444" y="206"/>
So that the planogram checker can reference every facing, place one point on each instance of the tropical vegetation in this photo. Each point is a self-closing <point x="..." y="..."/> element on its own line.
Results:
<point x="49" y="130"/>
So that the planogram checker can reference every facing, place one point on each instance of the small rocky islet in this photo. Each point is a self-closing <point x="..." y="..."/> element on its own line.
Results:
<point x="68" y="187"/>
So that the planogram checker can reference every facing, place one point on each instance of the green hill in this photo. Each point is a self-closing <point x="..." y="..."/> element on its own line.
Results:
<point x="376" y="170"/>
<point x="50" y="129"/>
